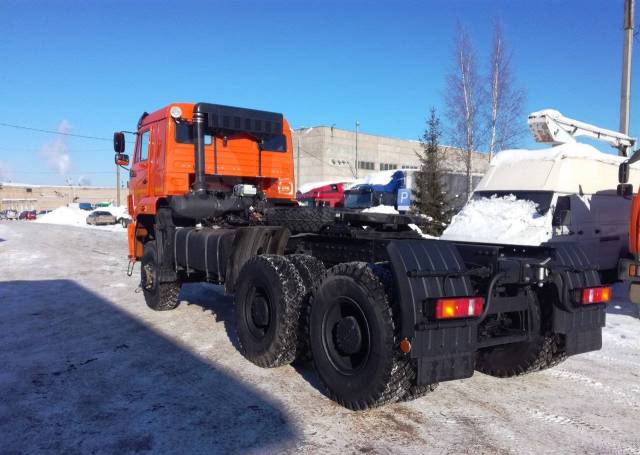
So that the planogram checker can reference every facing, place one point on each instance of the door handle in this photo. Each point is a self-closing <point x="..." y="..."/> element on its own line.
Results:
<point x="144" y="181"/>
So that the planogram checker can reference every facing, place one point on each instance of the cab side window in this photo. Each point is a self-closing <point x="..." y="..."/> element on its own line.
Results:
<point x="143" y="153"/>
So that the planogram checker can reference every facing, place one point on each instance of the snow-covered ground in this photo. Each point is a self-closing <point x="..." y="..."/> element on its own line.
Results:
<point x="74" y="216"/>
<point x="88" y="368"/>
<point x="500" y="220"/>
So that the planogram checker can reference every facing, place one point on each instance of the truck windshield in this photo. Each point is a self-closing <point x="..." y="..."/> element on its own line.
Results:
<point x="542" y="199"/>
<point x="357" y="199"/>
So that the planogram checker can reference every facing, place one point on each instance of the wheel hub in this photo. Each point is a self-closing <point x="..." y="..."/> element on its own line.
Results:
<point x="348" y="336"/>
<point x="260" y="312"/>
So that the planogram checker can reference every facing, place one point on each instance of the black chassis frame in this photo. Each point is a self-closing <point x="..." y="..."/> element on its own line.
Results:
<point x="423" y="271"/>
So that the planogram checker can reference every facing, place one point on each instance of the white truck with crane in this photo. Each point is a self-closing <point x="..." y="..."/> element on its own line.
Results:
<point x="562" y="194"/>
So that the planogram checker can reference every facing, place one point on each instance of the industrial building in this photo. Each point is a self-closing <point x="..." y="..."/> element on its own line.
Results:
<point x="22" y="196"/>
<point x="325" y="153"/>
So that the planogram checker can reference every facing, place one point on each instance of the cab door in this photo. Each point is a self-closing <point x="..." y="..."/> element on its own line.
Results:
<point x="139" y="173"/>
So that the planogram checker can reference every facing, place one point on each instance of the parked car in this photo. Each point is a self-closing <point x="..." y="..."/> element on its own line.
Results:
<point x="11" y="215"/>
<point x="100" y="217"/>
<point x="43" y="212"/>
<point x="85" y="206"/>
<point x="27" y="215"/>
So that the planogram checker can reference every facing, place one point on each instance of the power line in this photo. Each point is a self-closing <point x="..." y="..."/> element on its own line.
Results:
<point x="54" y="132"/>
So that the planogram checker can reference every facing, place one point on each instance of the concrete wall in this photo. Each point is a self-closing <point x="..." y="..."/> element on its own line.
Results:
<point x="42" y="197"/>
<point x="324" y="153"/>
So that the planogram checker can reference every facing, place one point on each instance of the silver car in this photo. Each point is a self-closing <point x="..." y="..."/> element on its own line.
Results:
<point x="101" y="218"/>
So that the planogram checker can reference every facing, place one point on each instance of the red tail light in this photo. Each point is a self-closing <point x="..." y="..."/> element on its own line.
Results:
<point x="595" y="295"/>
<point x="460" y="307"/>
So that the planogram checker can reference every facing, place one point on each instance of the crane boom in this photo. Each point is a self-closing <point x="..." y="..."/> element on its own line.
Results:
<point x="551" y="127"/>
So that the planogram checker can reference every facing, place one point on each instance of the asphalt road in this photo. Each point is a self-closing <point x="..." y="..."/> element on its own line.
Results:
<point x="86" y="367"/>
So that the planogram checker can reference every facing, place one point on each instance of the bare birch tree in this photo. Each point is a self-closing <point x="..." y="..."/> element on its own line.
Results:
<point x="463" y="100"/>
<point x="505" y="120"/>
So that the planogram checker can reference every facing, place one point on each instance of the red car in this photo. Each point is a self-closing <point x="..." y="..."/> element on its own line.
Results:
<point x="27" y="215"/>
<point x="331" y="195"/>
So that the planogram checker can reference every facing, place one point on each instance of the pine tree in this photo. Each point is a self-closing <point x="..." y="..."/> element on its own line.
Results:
<point x="430" y="195"/>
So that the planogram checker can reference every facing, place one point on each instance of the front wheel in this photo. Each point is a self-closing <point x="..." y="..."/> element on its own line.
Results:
<point x="158" y="296"/>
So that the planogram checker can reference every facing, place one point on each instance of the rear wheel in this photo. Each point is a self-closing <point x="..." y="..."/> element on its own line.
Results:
<point x="158" y="296"/>
<point x="267" y="304"/>
<point x="418" y="391"/>
<point x="311" y="271"/>
<point x="354" y="341"/>
<point x="525" y="357"/>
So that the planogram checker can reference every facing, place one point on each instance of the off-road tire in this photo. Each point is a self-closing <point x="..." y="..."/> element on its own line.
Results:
<point x="525" y="357"/>
<point x="300" y="219"/>
<point x="267" y="310"/>
<point x="158" y="296"/>
<point x="385" y="275"/>
<point x="380" y="373"/>
<point x="311" y="271"/>
<point x="418" y="391"/>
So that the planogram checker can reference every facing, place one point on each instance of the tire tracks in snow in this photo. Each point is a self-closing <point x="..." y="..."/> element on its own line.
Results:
<point x="616" y="395"/>
<point x="543" y="414"/>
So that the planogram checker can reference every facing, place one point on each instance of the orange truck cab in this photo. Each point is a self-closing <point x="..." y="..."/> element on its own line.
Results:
<point x="205" y="161"/>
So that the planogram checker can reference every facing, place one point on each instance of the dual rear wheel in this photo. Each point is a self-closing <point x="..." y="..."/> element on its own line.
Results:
<point x="289" y="307"/>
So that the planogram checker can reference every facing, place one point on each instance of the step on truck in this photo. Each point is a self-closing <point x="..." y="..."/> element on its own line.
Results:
<point x="383" y="314"/>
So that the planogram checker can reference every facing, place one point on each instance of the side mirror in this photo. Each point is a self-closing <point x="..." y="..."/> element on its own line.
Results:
<point x="561" y="218"/>
<point x="623" y="172"/>
<point x="625" y="190"/>
<point x="122" y="159"/>
<point x="118" y="142"/>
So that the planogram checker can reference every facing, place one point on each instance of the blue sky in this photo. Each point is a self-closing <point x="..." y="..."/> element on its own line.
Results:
<point x="97" y="65"/>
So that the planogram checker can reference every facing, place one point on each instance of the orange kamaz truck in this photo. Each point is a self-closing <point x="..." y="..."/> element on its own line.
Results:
<point x="383" y="313"/>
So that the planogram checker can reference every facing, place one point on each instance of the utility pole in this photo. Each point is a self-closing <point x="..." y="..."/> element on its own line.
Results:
<point x="117" y="186"/>
<point x="625" y="89"/>
<point x="357" y="126"/>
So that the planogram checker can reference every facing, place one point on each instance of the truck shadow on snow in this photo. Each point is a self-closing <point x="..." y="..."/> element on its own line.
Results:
<point x="212" y="298"/>
<point x="81" y="376"/>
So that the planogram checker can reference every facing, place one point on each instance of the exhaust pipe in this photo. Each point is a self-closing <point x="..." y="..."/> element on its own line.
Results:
<point x="199" y="185"/>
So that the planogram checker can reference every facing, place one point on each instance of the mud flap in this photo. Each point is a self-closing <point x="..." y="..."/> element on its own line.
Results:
<point x="581" y="326"/>
<point x="425" y="270"/>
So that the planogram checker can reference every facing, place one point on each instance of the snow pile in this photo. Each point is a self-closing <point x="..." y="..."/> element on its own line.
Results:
<point x="376" y="178"/>
<point x="74" y="216"/>
<point x="500" y="220"/>
<point x="388" y="209"/>
<point x="557" y="153"/>
<point x="419" y="231"/>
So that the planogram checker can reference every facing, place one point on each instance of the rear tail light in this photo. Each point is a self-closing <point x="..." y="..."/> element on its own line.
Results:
<point x="633" y="270"/>
<point x="600" y="294"/>
<point x="461" y="307"/>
